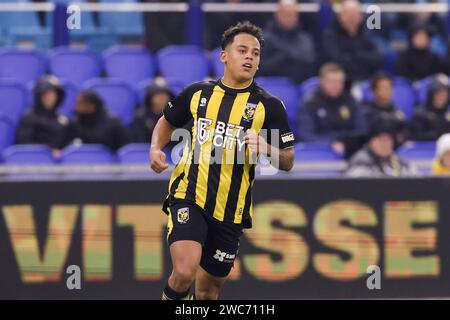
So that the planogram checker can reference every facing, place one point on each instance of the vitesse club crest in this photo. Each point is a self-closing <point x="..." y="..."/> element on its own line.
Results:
<point x="344" y="111"/>
<point x="183" y="215"/>
<point x="249" y="111"/>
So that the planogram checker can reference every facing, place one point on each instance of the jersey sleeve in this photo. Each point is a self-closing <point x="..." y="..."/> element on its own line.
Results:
<point x="276" y="124"/>
<point x="177" y="112"/>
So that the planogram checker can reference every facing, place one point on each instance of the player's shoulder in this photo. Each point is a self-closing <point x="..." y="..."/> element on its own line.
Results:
<point x="270" y="101"/>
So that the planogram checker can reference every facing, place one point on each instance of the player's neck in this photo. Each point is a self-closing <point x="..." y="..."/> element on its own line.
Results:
<point x="233" y="84"/>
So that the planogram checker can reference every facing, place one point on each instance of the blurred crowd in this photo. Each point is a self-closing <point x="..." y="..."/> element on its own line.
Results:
<point x="343" y="55"/>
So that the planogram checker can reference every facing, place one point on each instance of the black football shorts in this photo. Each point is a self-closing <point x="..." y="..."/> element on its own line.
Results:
<point x="220" y="240"/>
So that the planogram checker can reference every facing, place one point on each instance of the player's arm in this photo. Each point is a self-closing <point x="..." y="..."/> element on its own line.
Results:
<point x="160" y="138"/>
<point x="281" y="150"/>
<point x="176" y="115"/>
<point x="282" y="159"/>
<point x="285" y="157"/>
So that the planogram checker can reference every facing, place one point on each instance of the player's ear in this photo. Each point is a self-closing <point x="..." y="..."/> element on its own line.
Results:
<point x="223" y="56"/>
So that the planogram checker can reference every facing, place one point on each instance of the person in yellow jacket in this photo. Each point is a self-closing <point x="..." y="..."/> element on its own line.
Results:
<point x="441" y="164"/>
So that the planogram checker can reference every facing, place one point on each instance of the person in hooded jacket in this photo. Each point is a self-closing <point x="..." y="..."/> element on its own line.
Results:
<point x="42" y="123"/>
<point x="418" y="61"/>
<point x="156" y="98"/>
<point x="432" y="119"/>
<point x="377" y="158"/>
<point x="346" y="43"/>
<point x="93" y="124"/>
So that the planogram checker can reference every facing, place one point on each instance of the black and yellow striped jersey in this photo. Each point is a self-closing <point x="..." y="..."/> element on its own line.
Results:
<point x="215" y="170"/>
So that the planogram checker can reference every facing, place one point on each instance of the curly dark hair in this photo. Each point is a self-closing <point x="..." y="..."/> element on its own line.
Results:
<point x="242" y="27"/>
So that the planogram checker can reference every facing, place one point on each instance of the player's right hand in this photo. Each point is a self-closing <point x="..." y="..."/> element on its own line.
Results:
<point x="158" y="160"/>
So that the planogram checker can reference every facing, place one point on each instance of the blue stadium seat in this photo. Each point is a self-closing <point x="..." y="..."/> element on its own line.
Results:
<point x="216" y="65"/>
<point x="126" y="23"/>
<point x="421" y="88"/>
<point x="186" y="63"/>
<point x="118" y="96"/>
<point x="273" y="81"/>
<point x="135" y="153"/>
<point x="320" y="155"/>
<point x="390" y="60"/>
<point x="175" y="85"/>
<point x="307" y="87"/>
<point x="71" y="91"/>
<point x="23" y="66"/>
<point x="28" y="154"/>
<point x="285" y="90"/>
<point x="7" y="130"/>
<point x="417" y="150"/>
<point x="87" y="154"/>
<point x="14" y="98"/>
<point x="74" y="65"/>
<point x="404" y="96"/>
<point x="131" y="64"/>
<point x="315" y="151"/>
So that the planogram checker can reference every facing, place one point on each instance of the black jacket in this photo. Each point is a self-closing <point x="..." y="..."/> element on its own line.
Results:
<point x="358" y="55"/>
<point x="429" y="123"/>
<point x="321" y="118"/>
<point x="415" y="64"/>
<point x="288" y="53"/>
<point x="99" y="128"/>
<point x="42" y="126"/>
<point x="141" y="129"/>
<point x="390" y="113"/>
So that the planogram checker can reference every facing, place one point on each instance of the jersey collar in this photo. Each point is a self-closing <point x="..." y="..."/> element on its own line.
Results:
<point x="250" y="87"/>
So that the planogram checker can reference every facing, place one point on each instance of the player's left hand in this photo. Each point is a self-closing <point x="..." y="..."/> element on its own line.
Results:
<point x="255" y="142"/>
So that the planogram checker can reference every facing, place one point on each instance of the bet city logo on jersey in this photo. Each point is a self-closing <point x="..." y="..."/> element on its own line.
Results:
<point x="219" y="142"/>
<point x="226" y="135"/>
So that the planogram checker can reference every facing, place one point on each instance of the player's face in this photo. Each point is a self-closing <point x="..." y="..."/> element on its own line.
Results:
<point x="241" y="57"/>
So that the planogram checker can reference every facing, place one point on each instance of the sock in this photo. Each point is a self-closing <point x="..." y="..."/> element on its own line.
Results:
<point x="170" y="294"/>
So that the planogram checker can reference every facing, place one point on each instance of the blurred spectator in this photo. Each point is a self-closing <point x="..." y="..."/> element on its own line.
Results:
<point x="43" y="124"/>
<point x="441" y="164"/>
<point x="346" y="43"/>
<point x="418" y="62"/>
<point x="382" y="106"/>
<point x="156" y="98"/>
<point x="288" y="51"/>
<point x="432" y="120"/>
<point x="377" y="158"/>
<point x="218" y="22"/>
<point x="446" y="60"/>
<point x="92" y="123"/>
<point x="330" y="113"/>
<point x="164" y="28"/>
